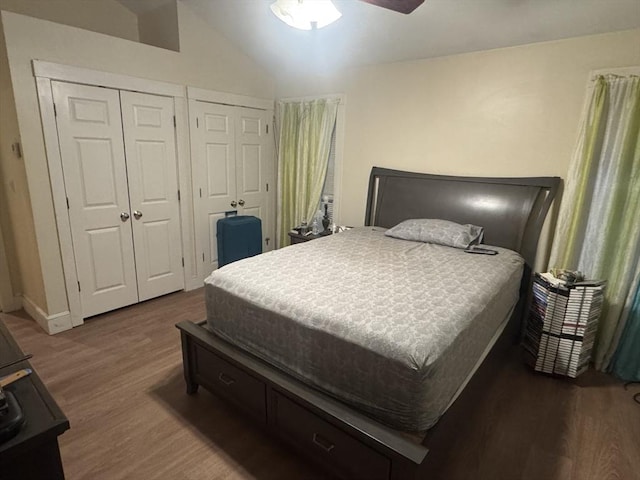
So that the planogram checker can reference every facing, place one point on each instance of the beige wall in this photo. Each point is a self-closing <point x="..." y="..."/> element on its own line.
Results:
<point x="8" y="301"/>
<point x="16" y="219"/>
<point x="103" y="16"/>
<point x="159" y="27"/>
<point x="506" y="112"/>
<point x="206" y="60"/>
<point x="23" y="272"/>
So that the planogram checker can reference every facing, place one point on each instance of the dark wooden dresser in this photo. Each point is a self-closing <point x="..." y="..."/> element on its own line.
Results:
<point x="33" y="453"/>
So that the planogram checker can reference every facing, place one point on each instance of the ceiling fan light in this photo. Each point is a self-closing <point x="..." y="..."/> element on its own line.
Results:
<point x="306" y="14"/>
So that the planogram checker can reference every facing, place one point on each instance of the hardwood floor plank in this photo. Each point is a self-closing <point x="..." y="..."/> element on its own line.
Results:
<point x="119" y="380"/>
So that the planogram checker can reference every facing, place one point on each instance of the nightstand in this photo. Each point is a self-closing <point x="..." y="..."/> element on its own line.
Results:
<point x="297" y="238"/>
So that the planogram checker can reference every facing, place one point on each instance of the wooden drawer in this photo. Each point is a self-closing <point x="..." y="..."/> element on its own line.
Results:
<point x="231" y="382"/>
<point x="341" y="452"/>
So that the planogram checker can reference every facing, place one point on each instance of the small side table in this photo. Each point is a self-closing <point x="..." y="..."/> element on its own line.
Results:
<point x="298" y="238"/>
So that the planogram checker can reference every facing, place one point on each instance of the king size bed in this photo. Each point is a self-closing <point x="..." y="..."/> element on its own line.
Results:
<point x="353" y="348"/>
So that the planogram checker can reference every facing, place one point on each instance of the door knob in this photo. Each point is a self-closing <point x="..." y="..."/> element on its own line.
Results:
<point x="137" y="214"/>
<point x="234" y="203"/>
<point x="241" y="202"/>
<point x="124" y="216"/>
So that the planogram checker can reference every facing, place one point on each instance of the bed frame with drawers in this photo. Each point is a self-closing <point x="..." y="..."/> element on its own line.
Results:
<point x="342" y="440"/>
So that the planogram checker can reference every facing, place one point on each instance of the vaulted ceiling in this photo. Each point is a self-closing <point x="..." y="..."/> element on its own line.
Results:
<point x="367" y="34"/>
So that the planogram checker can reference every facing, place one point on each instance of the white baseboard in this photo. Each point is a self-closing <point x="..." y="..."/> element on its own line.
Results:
<point x="52" y="324"/>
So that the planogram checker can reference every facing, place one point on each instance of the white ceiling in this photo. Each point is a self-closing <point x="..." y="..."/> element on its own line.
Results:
<point x="367" y="34"/>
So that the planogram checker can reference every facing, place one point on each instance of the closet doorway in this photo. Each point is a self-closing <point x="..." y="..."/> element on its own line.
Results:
<point x="119" y="164"/>
<point x="233" y="168"/>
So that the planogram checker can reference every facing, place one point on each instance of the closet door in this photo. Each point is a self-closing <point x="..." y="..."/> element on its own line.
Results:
<point x="214" y="174"/>
<point x="95" y="175"/>
<point x="232" y="164"/>
<point x="149" y="138"/>
<point x="253" y="161"/>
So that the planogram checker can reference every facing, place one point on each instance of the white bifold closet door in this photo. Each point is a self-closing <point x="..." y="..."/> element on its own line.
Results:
<point x="119" y="164"/>
<point x="150" y="150"/>
<point x="232" y="166"/>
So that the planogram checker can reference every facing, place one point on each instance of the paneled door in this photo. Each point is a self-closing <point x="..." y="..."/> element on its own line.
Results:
<point x="120" y="171"/>
<point x="149" y="139"/>
<point x="253" y="167"/>
<point x="232" y="165"/>
<point x="214" y="181"/>
<point x="95" y="176"/>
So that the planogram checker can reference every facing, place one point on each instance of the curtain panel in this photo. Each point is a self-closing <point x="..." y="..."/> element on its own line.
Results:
<point x="304" y="142"/>
<point x="598" y="230"/>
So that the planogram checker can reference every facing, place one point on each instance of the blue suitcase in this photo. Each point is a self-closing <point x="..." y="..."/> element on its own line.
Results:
<point x="238" y="237"/>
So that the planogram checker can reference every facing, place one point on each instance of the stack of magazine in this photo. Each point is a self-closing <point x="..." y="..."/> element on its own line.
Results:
<point x="562" y="324"/>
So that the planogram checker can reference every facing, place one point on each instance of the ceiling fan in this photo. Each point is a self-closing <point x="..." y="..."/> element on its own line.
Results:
<point x="314" y="14"/>
<point x="402" y="6"/>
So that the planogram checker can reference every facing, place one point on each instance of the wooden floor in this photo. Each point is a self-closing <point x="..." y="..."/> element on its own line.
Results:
<point x="119" y="380"/>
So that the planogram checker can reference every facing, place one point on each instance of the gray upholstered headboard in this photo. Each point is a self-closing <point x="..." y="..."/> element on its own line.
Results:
<point x="511" y="210"/>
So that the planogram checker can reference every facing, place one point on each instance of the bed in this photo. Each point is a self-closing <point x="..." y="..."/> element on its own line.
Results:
<point x="316" y="395"/>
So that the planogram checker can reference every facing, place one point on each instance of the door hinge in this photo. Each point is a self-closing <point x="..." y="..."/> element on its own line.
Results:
<point x="201" y="196"/>
<point x="197" y="123"/>
<point x="178" y="195"/>
<point x="174" y="122"/>
<point x="203" y="256"/>
<point x="267" y="128"/>
<point x="79" y="289"/>
<point x="182" y="262"/>
<point x="67" y="203"/>
<point x="55" y="110"/>
<point x="267" y="241"/>
<point x="267" y="187"/>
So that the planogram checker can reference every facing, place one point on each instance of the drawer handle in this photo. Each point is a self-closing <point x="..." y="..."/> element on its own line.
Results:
<point x="323" y="443"/>
<point x="226" y="379"/>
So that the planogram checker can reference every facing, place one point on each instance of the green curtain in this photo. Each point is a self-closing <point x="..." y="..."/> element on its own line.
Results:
<point x="598" y="230"/>
<point x="626" y="361"/>
<point x="304" y="142"/>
